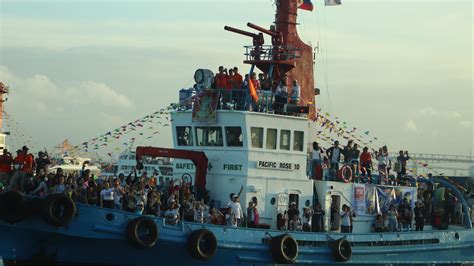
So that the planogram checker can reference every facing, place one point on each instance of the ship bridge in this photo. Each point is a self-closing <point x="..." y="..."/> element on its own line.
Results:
<point x="263" y="153"/>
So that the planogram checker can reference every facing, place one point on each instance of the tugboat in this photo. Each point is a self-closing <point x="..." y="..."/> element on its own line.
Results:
<point x="262" y="151"/>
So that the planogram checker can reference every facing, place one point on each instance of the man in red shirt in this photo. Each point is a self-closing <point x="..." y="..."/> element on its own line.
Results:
<point x="221" y="79"/>
<point x="18" y="163"/>
<point x="27" y="168"/>
<point x="366" y="164"/>
<point x="237" y="79"/>
<point x="6" y="160"/>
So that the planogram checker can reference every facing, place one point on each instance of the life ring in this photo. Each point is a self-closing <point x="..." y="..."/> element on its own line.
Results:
<point x="142" y="232"/>
<point x="345" y="174"/>
<point x="284" y="249"/>
<point x="202" y="244"/>
<point x="12" y="207"/>
<point x="342" y="249"/>
<point x="58" y="210"/>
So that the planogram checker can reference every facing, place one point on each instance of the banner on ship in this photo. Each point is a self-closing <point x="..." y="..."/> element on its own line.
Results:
<point x="372" y="199"/>
<point x="359" y="199"/>
<point x="205" y="105"/>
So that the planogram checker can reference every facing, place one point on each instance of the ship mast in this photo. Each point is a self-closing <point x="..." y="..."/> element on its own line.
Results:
<point x="287" y="56"/>
<point x="3" y="92"/>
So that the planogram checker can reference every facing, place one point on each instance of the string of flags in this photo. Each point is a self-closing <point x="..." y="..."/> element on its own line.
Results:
<point x="332" y="129"/>
<point x="146" y="122"/>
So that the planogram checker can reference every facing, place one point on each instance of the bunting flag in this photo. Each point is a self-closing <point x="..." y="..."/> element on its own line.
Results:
<point x="332" y="2"/>
<point x="305" y="5"/>
<point x="252" y="90"/>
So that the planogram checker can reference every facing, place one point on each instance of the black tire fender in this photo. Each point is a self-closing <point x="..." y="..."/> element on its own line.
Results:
<point x="284" y="249"/>
<point x="58" y="210"/>
<point x="342" y="249"/>
<point x="142" y="232"/>
<point x="202" y="244"/>
<point x="13" y="207"/>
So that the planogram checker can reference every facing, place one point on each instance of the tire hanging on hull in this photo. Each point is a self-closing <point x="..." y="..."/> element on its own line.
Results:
<point x="342" y="249"/>
<point x="13" y="207"/>
<point x="58" y="210"/>
<point x="142" y="232"/>
<point x="284" y="249"/>
<point x="202" y="244"/>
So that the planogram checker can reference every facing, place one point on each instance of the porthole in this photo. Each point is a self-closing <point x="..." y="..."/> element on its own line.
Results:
<point x="110" y="217"/>
<point x="272" y="201"/>
<point x="456" y="236"/>
<point x="307" y="203"/>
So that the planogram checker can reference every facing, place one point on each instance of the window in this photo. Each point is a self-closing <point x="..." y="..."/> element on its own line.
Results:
<point x="209" y="136"/>
<point x="298" y="139"/>
<point x="233" y="136"/>
<point x="285" y="140"/>
<point x="271" y="138"/>
<point x="185" y="136"/>
<point x="123" y="157"/>
<point x="256" y="134"/>
<point x="131" y="157"/>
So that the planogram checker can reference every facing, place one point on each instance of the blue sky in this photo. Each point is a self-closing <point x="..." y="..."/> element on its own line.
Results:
<point x="401" y="69"/>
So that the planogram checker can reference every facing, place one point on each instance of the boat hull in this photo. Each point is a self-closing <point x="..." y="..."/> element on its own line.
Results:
<point x="93" y="237"/>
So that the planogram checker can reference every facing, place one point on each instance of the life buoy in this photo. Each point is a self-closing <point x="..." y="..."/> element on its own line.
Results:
<point x="142" y="232"/>
<point x="58" y="210"/>
<point x="202" y="244"/>
<point x="342" y="249"/>
<point x="284" y="249"/>
<point x="12" y="207"/>
<point x="345" y="174"/>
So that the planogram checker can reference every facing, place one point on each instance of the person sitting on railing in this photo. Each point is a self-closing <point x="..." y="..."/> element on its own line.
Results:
<point x="366" y="164"/>
<point x="295" y="93"/>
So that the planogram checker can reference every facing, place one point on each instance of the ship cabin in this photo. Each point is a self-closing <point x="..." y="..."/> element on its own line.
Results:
<point x="266" y="154"/>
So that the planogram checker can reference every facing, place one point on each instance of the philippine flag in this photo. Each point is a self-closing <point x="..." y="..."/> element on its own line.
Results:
<point x="305" y="4"/>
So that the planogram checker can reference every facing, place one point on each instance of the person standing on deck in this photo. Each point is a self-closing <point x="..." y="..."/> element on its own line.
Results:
<point x="6" y="161"/>
<point x="345" y="219"/>
<point x="355" y="152"/>
<point x="334" y="154"/>
<point x="295" y="92"/>
<point x="402" y="160"/>
<point x="316" y="162"/>
<point x="318" y="218"/>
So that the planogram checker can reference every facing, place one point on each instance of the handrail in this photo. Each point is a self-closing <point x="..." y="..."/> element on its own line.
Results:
<point x="457" y="193"/>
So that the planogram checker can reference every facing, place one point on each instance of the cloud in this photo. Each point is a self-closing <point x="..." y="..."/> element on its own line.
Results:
<point x="45" y="92"/>
<point x="465" y="124"/>
<point x="411" y="126"/>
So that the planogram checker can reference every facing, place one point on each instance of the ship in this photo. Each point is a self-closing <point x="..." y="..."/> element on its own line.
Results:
<point x="234" y="145"/>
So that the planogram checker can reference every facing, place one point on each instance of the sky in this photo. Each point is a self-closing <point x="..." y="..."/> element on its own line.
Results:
<point x="77" y="69"/>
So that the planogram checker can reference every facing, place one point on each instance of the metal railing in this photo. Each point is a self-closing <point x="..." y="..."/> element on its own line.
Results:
<point x="271" y="52"/>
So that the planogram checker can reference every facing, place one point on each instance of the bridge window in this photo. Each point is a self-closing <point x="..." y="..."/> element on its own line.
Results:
<point x="209" y="136"/>
<point x="271" y="138"/>
<point x="256" y="134"/>
<point x="298" y="139"/>
<point x="233" y="136"/>
<point x="185" y="136"/>
<point x="285" y="140"/>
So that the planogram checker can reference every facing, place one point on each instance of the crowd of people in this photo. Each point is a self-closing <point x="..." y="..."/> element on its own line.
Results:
<point x="174" y="199"/>
<point x="361" y="164"/>
<point x="272" y="96"/>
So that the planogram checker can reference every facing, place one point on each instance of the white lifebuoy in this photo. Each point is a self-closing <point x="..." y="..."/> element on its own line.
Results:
<point x="345" y="174"/>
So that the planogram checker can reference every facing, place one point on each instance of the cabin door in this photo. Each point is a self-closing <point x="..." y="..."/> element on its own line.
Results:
<point x="335" y="212"/>
<point x="282" y="202"/>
